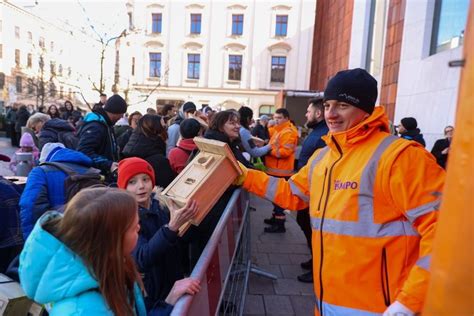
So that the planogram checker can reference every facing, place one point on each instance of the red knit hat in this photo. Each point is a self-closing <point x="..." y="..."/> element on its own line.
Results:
<point x="130" y="167"/>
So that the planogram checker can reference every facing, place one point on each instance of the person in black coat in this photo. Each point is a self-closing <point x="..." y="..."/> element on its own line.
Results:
<point x="96" y="135"/>
<point x="315" y="121"/>
<point x="57" y="131"/>
<point x="22" y="117"/>
<point x="148" y="141"/>
<point x="224" y="127"/>
<point x="261" y="130"/>
<point x="124" y="136"/>
<point x="408" y="129"/>
<point x="441" y="147"/>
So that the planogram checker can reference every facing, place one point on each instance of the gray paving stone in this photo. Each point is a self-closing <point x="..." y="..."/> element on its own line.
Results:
<point x="297" y="258"/>
<point x="260" y="285"/>
<point x="260" y="258"/>
<point x="279" y="258"/>
<point x="303" y="305"/>
<point x="291" y="271"/>
<point x="292" y="287"/>
<point x="254" y="305"/>
<point x="283" y="248"/>
<point x="271" y="268"/>
<point x="278" y="305"/>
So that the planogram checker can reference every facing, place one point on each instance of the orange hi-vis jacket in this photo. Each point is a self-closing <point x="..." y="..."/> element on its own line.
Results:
<point x="373" y="201"/>
<point x="280" y="161"/>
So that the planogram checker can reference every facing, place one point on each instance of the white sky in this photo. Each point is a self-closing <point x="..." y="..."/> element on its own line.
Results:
<point x="109" y="17"/>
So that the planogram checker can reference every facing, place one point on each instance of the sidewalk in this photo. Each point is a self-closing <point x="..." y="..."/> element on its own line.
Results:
<point x="280" y="254"/>
<point x="8" y="150"/>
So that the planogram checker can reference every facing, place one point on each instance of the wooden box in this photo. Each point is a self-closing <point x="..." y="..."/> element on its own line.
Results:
<point x="204" y="179"/>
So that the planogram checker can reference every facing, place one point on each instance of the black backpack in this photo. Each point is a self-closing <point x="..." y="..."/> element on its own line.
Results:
<point x="68" y="139"/>
<point x="75" y="182"/>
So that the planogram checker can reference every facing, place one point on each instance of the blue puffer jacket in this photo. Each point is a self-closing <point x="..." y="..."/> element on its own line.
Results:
<point x="51" y="273"/>
<point x="52" y="129"/>
<point x="44" y="188"/>
<point x="97" y="140"/>
<point x="157" y="253"/>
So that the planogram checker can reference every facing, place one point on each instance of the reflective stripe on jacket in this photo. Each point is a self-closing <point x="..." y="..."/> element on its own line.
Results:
<point x="373" y="201"/>
<point x="280" y="161"/>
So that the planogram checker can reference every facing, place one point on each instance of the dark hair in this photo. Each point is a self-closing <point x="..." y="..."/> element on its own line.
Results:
<point x="317" y="103"/>
<point x="246" y="115"/>
<point x="218" y="121"/>
<point x="49" y="111"/>
<point x="130" y="117"/>
<point x="166" y="108"/>
<point x="150" y="126"/>
<point x="283" y="112"/>
<point x="68" y="102"/>
<point x="189" y="128"/>
<point x="93" y="227"/>
<point x="103" y="95"/>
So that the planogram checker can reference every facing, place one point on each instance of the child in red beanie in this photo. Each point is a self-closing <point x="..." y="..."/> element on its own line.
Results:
<point x="157" y="251"/>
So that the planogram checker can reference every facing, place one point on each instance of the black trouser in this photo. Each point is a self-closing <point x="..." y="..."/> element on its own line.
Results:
<point x="13" y="136"/>
<point x="304" y="221"/>
<point x="277" y="210"/>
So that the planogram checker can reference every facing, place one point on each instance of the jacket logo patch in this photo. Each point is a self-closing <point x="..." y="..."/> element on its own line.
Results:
<point x="341" y="185"/>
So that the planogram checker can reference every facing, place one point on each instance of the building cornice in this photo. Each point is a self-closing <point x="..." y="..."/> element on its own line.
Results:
<point x="280" y="45"/>
<point x="208" y="90"/>
<point x="237" y="7"/>
<point x="281" y="7"/>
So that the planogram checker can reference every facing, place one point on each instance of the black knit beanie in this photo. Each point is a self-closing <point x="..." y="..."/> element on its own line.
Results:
<point x="355" y="87"/>
<point x="189" y="128"/>
<point x="115" y="104"/>
<point x="409" y="123"/>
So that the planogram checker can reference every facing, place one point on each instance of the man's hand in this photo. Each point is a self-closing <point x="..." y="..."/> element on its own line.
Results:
<point x="240" y="179"/>
<point x="398" y="309"/>
<point x="178" y="217"/>
<point x="181" y="287"/>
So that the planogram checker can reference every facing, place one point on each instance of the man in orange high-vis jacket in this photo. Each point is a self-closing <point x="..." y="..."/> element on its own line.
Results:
<point x="280" y="162"/>
<point x="373" y="201"/>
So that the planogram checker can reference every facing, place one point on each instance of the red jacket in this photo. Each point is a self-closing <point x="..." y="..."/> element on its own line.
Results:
<point x="179" y="155"/>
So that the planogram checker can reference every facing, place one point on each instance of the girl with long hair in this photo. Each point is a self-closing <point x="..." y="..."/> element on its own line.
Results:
<point x="53" y="111"/>
<point x="81" y="261"/>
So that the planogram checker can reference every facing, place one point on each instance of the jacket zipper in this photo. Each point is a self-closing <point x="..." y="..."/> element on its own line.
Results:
<point x="321" y="260"/>
<point x="384" y="277"/>
<point x="324" y="187"/>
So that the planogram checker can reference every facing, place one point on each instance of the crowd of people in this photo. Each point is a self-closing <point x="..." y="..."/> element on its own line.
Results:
<point x="113" y="246"/>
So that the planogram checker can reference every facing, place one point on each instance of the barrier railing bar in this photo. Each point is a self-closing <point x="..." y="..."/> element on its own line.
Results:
<point x="237" y="242"/>
<point x="246" y="282"/>
<point x="183" y="304"/>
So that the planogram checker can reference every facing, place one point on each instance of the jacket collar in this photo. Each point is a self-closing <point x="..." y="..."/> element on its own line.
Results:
<point x="377" y="121"/>
<point x="282" y="126"/>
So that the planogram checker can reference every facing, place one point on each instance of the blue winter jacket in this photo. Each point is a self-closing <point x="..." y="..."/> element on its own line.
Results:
<point x="312" y="142"/>
<point x="44" y="188"/>
<point x="51" y="273"/>
<point x="157" y="253"/>
<point x="97" y="140"/>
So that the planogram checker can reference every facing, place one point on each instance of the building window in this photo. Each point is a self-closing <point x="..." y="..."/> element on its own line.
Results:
<point x="52" y="46"/>
<point x="155" y="65"/>
<point x="69" y="71"/>
<point x="235" y="67"/>
<point x="266" y="110"/>
<point x="69" y="93"/>
<point x="1" y="50"/>
<point x="156" y="20"/>
<point x="52" y="89"/>
<point x="281" y="25"/>
<point x="449" y="24"/>
<point x="41" y="42"/>
<point x="2" y="80"/>
<point x="195" y="23"/>
<point x="17" y="31"/>
<point x="17" y="57"/>
<point x="19" y="87"/>
<point x="133" y="66"/>
<point x="278" y="69"/>
<point x="30" y="86"/>
<point x="61" y="92"/>
<point x="29" y="61"/>
<point x="237" y="24"/>
<point x="194" y="63"/>
<point x="30" y="37"/>
<point x="60" y="69"/>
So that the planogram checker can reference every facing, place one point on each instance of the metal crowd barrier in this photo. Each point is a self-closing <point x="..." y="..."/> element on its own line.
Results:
<point x="224" y="265"/>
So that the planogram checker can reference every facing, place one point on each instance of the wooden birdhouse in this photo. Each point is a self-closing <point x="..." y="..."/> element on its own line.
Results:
<point x="204" y="179"/>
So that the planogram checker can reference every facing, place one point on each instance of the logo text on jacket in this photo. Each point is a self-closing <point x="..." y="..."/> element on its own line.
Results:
<point x="345" y="185"/>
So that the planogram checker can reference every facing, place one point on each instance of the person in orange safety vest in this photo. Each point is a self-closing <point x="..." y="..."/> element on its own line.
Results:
<point x="373" y="201"/>
<point x="280" y="162"/>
